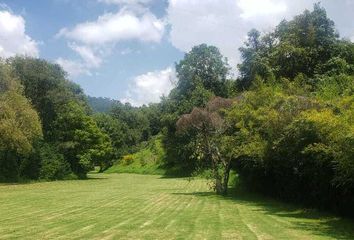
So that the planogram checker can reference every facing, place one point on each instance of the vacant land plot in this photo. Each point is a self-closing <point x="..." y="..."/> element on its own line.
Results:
<point x="128" y="206"/>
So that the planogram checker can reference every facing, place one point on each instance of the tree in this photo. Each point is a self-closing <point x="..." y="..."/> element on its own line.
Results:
<point x="202" y="74"/>
<point x="254" y="63"/>
<point x="179" y="147"/>
<point x="53" y="165"/>
<point x="205" y="65"/>
<point x="136" y="121"/>
<point x="116" y="130"/>
<point x="80" y="140"/>
<point x="19" y="125"/>
<point x="210" y="126"/>
<point x="65" y="118"/>
<point x="306" y="45"/>
<point x="46" y="85"/>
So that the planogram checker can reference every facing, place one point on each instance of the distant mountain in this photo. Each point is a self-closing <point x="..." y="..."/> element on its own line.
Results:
<point x="100" y="104"/>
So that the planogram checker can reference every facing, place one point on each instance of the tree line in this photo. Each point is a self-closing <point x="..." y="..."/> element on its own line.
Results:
<point x="285" y="125"/>
<point x="47" y="131"/>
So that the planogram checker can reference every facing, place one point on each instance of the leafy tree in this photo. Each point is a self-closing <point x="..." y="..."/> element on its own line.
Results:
<point x="204" y="65"/>
<point x="116" y="130"/>
<point x="80" y="140"/>
<point x="136" y="121"/>
<point x="202" y="74"/>
<point x="306" y="45"/>
<point x="19" y="125"/>
<point x="63" y="110"/>
<point x="45" y="84"/>
<point x="179" y="147"/>
<point x="53" y="164"/>
<point x="210" y="126"/>
<point x="254" y="63"/>
<point x="294" y="147"/>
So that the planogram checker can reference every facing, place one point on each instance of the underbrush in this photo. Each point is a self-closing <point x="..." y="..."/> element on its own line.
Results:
<point x="147" y="160"/>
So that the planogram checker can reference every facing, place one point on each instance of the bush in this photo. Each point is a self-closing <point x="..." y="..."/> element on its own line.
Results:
<point x="127" y="159"/>
<point x="148" y="159"/>
<point x="297" y="148"/>
<point x="53" y="165"/>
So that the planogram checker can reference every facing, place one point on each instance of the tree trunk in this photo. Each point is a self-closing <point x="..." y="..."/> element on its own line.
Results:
<point x="219" y="188"/>
<point x="226" y="178"/>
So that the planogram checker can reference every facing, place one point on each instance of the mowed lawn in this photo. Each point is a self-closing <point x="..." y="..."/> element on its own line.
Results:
<point x="129" y="206"/>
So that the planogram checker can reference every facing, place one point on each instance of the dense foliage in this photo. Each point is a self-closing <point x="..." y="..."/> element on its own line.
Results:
<point x="293" y="129"/>
<point x="305" y="47"/>
<point x="290" y="131"/>
<point x="20" y="126"/>
<point x="46" y="128"/>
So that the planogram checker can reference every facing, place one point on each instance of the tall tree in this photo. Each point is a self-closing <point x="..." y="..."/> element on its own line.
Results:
<point x="80" y="140"/>
<point x="205" y="65"/>
<point x="307" y="45"/>
<point x="210" y="126"/>
<point x="46" y="85"/>
<point x="19" y="125"/>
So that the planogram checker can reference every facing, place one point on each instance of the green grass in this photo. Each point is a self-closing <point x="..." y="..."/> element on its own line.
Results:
<point x="136" y="168"/>
<point x="131" y="206"/>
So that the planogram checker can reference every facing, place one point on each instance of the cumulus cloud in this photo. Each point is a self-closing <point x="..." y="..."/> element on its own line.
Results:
<point x="116" y="27"/>
<point x="121" y="2"/>
<point x="13" y="38"/>
<point x="94" y="40"/>
<point x="87" y="54"/>
<point x="251" y="8"/>
<point x="73" y="68"/>
<point x="150" y="87"/>
<point x="90" y="58"/>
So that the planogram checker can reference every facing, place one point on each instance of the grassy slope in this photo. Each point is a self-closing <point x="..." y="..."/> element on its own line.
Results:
<point x="129" y="206"/>
<point x="146" y="161"/>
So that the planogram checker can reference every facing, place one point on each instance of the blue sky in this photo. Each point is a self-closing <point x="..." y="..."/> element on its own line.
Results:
<point x="126" y="49"/>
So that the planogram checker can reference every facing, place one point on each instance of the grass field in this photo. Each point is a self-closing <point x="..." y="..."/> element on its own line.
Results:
<point x="129" y="206"/>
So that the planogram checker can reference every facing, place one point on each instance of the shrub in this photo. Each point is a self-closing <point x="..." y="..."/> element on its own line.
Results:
<point x="54" y="167"/>
<point x="127" y="159"/>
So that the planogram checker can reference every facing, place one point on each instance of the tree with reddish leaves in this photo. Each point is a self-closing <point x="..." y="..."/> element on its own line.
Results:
<point x="210" y="126"/>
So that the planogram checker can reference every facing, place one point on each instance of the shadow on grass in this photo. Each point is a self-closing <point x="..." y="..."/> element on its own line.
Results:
<point x="27" y="182"/>
<point x="171" y="177"/>
<point x="175" y="173"/>
<point x="323" y="224"/>
<point x="92" y="178"/>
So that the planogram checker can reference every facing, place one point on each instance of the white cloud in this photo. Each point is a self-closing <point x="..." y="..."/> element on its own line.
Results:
<point x="90" y="58"/>
<point x="225" y="23"/>
<point x="150" y="87"/>
<point x="116" y="27"/>
<point x="87" y="54"/>
<point x="213" y="22"/>
<point x="73" y="68"/>
<point x="13" y="38"/>
<point x="121" y="2"/>
<point x="251" y="8"/>
<point x="93" y="41"/>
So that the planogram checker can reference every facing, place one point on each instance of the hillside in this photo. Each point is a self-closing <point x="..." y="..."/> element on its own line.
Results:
<point x="100" y="104"/>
